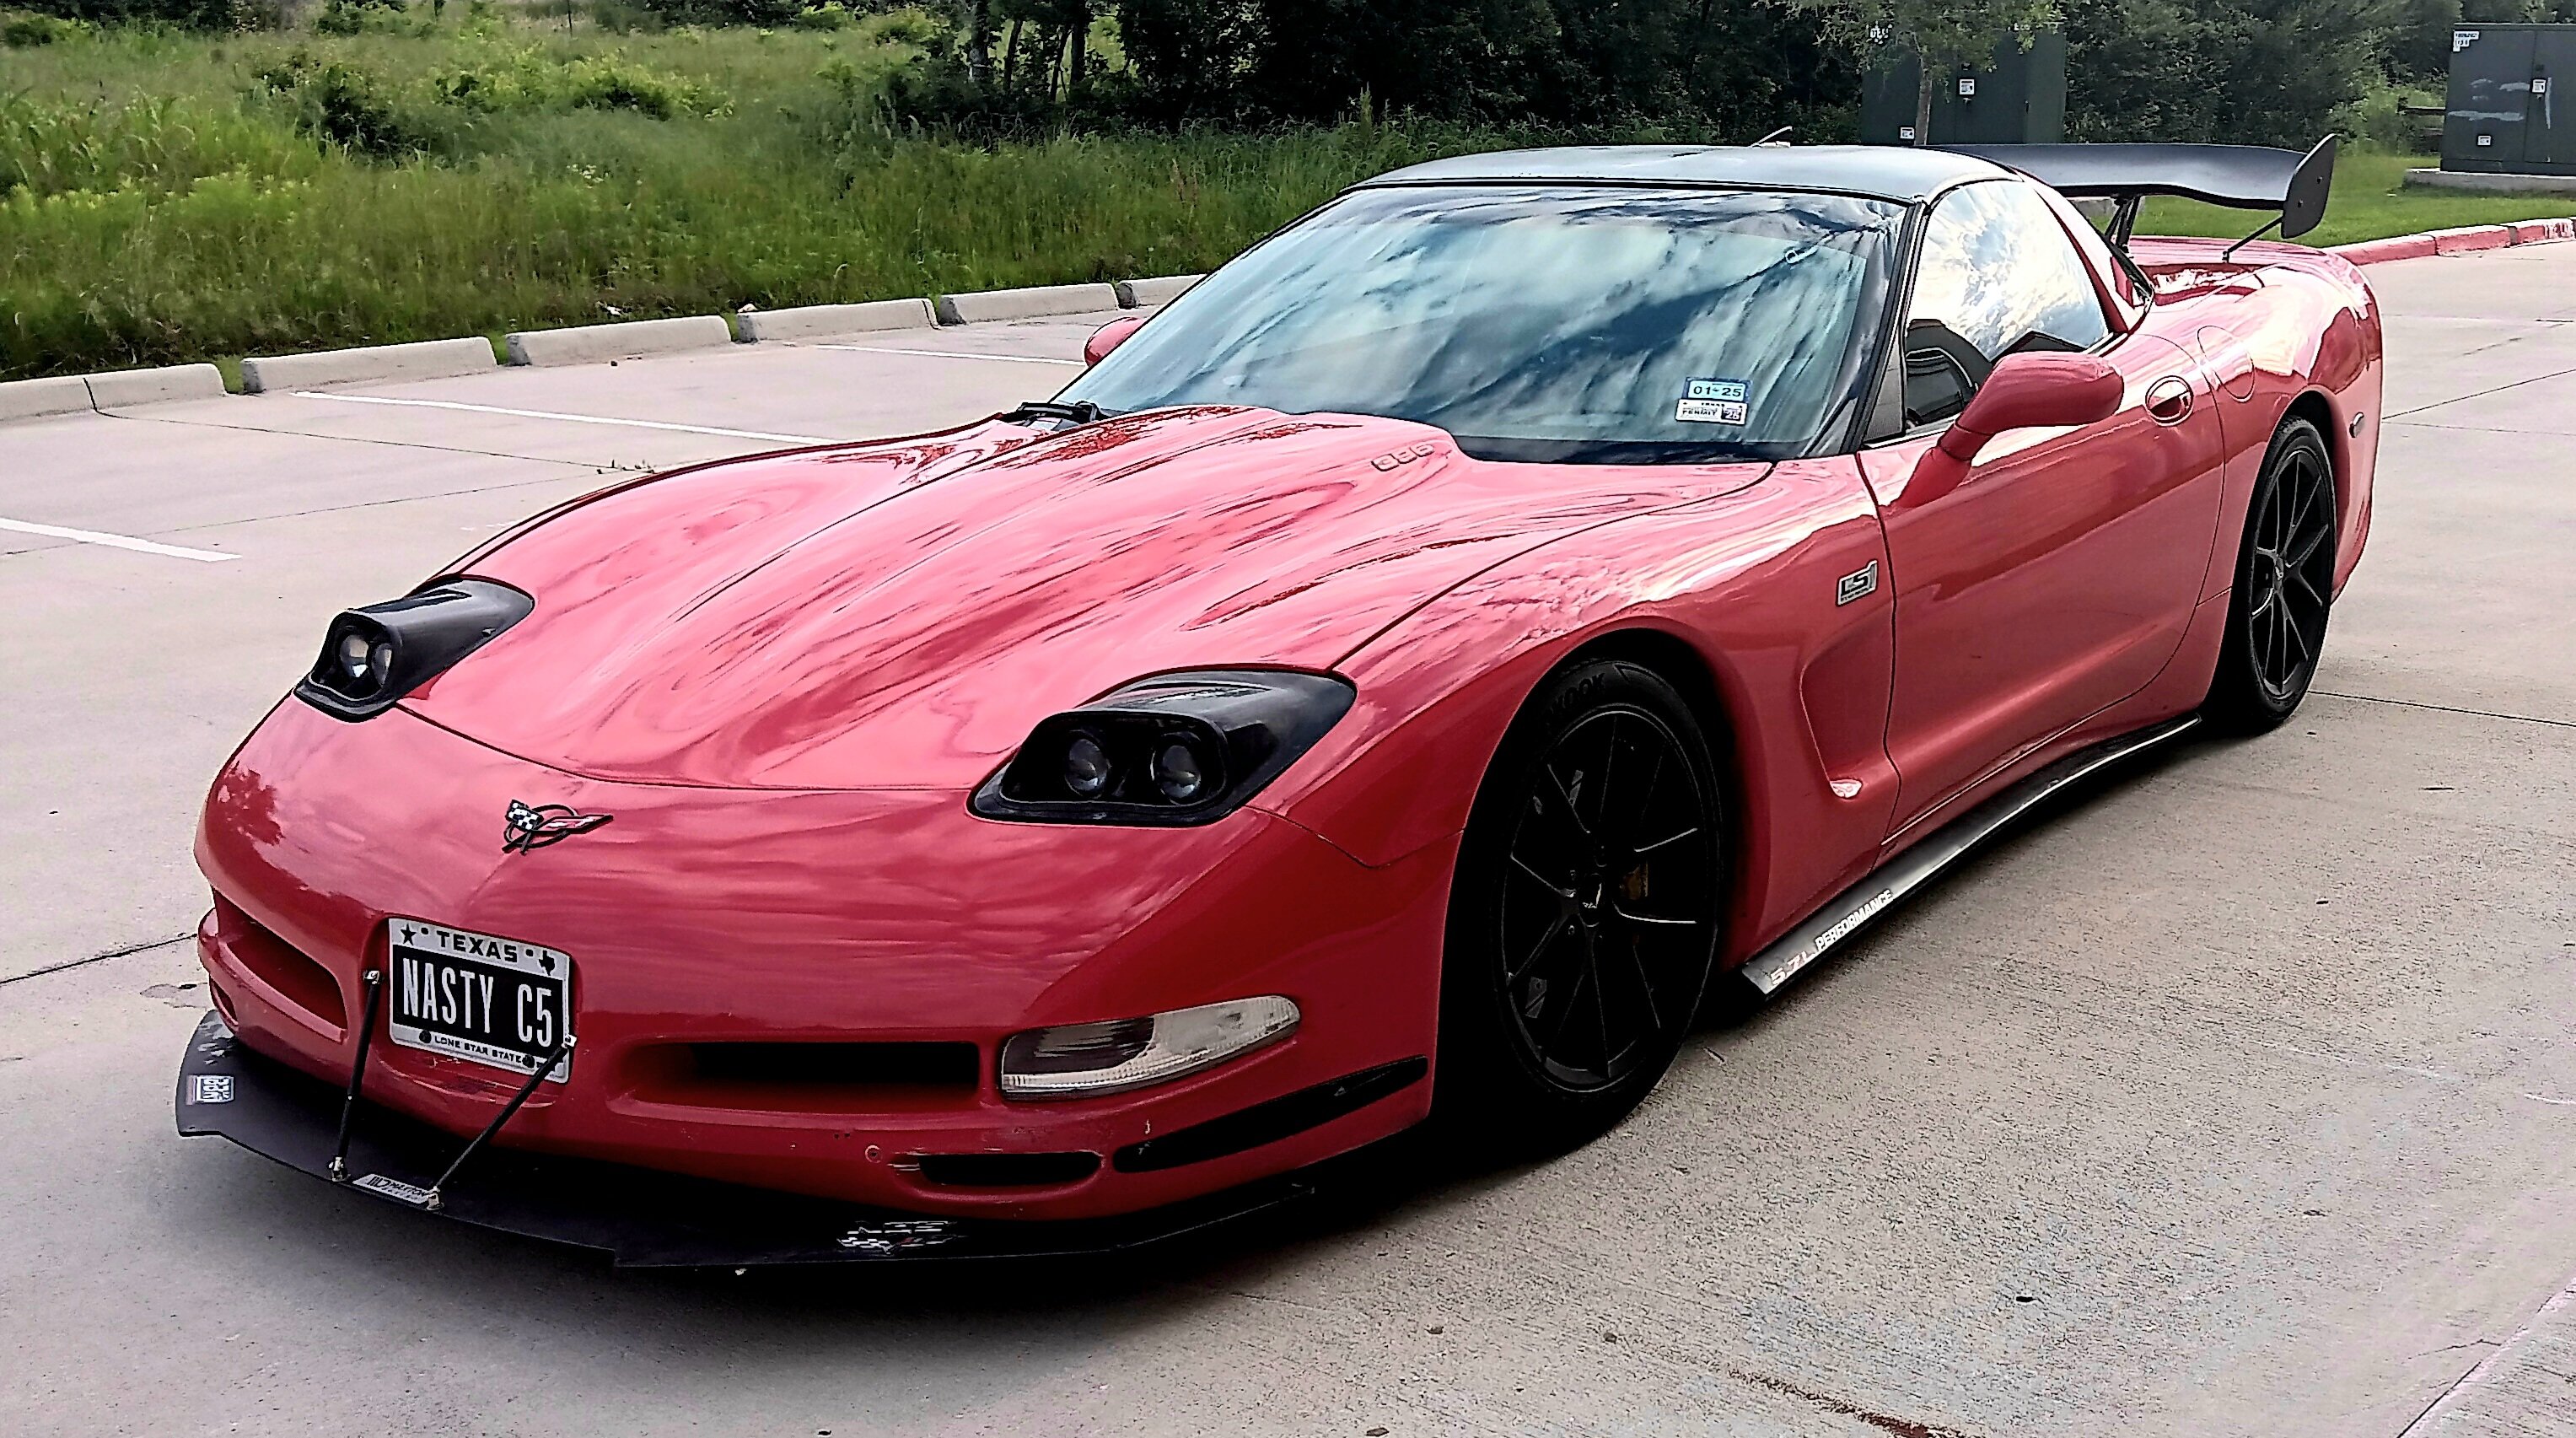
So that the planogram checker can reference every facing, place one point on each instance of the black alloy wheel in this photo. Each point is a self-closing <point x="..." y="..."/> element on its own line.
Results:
<point x="1586" y="910"/>
<point x="2284" y="586"/>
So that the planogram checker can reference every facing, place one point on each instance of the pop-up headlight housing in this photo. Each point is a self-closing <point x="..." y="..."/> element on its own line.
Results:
<point x="372" y="657"/>
<point x="1175" y="749"/>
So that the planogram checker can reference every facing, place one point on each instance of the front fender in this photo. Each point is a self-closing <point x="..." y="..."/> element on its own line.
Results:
<point x="1748" y="584"/>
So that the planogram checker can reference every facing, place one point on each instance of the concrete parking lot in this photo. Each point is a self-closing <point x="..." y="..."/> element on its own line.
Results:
<point x="2239" y="1097"/>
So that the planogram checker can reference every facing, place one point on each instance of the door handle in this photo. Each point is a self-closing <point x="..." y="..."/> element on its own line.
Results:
<point x="2169" y="400"/>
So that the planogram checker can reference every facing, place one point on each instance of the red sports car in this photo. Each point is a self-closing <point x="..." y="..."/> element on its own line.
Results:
<point x="1398" y="679"/>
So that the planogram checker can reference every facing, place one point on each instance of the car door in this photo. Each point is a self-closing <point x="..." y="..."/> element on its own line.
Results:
<point x="2057" y="576"/>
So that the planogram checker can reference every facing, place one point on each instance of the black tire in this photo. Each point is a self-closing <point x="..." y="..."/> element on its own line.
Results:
<point x="2284" y="594"/>
<point x="1584" y="915"/>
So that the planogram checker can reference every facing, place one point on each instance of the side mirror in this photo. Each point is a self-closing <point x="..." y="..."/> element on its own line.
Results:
<point x="2033" y="391"/>
<point x="1109" y="337"/>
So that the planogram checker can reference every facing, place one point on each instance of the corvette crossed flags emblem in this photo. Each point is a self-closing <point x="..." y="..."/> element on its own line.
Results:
<point x="528" y="826"/>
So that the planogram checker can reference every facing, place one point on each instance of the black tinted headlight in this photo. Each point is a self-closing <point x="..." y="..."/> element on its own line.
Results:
<point x="1174" y="749"/>
<point x="374" y="656"/>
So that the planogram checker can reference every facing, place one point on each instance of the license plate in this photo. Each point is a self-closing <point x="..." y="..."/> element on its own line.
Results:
<point x="478" y="997"/>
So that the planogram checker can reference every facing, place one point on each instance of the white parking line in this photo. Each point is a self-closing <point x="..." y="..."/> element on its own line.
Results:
<point x="567" y="418"/>
<point x="116" y="541"/>
<point x="948" y="354"/>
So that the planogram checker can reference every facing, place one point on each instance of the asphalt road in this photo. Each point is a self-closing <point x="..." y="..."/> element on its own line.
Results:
<point x="2238" y="1098"/>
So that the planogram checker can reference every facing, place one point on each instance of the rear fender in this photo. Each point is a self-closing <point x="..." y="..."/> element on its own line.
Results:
<point x="2311" y="326"/>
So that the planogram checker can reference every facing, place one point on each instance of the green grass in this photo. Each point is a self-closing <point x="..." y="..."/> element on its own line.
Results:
<point x="2368" y="203"/>
<point x="158" y="204"/>
<point x="168" y="197"/>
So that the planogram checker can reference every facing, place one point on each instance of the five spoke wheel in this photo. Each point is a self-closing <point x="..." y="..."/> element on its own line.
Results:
<point x="2292" y="574"/>
<point x="2284" y="586"/>
<point x="1591" y="884"/>
<point x="1605" y="922"/>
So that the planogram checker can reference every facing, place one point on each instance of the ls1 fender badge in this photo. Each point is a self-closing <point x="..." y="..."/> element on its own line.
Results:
<point x="528" y="826"/>
<point x="1854" y="586"/>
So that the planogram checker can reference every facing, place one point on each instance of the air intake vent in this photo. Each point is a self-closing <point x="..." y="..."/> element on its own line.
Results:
<point x="280" y="965"/>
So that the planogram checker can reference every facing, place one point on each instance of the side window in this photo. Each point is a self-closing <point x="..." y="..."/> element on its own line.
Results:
<point x="1997" y="276"/>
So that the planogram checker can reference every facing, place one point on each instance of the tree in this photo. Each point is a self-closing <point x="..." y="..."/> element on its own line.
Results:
<point x="1190" y="57"/>
<point x="1685" y="67"/>
<point x="1943" y="34"/>
<point x="976" y="25"/>
<point x="2244" y="72"/>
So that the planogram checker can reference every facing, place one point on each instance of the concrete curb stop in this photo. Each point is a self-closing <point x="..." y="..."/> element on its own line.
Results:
<point x="807" y="322"/>
<point x="116" y="389"/>
<point x="1135" y="294"/>
<point x="635" y="339"/>
<point x="37" y="398"/>
<point x="110" y="389"/>
<point x="427" y="359"/>
<point x="984" y="305"/>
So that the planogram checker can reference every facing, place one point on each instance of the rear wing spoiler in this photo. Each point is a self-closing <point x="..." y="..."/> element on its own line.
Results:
<point x="2244" y="177"/>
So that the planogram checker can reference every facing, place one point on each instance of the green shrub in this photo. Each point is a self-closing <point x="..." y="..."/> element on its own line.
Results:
<point x="725" y="12"/>
<point x="623" y="17"/>
<point x="372" y="17"/>
<point x="20" y="30"/>
<point x="340" y="104"/>
<point x="830" y="15"/>
<point x="179" y="14"/>
<point x="2375" y="117"/>
<point x="526" y="79"/>
<point x="906" y="26"/>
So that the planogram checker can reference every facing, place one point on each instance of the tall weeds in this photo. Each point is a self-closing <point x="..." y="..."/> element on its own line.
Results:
<point x="167" y="198"/>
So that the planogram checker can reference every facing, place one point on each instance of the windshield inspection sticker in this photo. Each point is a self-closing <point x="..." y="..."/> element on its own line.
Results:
<point x="1712" y="401"/>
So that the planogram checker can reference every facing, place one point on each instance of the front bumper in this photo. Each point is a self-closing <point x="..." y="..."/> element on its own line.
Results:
<point x="707" y="919"/>
<point x="642" y="1218"/>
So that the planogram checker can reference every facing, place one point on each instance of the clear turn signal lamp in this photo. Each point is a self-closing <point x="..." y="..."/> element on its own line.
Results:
<point x="1084" y="1060"/>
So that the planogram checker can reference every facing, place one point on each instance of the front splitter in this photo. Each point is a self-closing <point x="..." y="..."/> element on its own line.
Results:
<point x="641" y="1218"/>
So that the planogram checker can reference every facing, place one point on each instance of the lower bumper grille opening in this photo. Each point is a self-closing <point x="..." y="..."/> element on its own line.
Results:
<point x="1007" y="1170"/>
<point x="810" y="1078"/>
<point x="1271" y="1121"/>
<point x="923" y="1065"/>
<point x="280" y="965"/>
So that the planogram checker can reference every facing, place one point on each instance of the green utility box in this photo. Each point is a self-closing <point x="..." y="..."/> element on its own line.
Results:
<point x="2504" y="114"/>
<point x="2017" y="98"/>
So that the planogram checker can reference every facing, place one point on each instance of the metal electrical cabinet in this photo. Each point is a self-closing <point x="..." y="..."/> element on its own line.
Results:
<point x="2017" y="98"/>
<point x="2504" y="114"/>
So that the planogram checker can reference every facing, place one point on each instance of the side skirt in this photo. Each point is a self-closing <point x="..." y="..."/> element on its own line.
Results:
<point x="1852" y="909"/>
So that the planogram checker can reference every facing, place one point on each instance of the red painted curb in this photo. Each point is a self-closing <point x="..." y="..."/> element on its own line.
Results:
<point x="2395" y="247"/>
<point x="2466" y="239"/>
<point x="2469" y="238"/>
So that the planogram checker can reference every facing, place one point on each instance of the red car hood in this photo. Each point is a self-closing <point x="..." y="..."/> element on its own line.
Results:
<point x="899" y="615"/>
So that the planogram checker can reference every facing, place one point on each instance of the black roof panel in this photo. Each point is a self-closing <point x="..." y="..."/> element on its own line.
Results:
<point x="1888" y="172"/>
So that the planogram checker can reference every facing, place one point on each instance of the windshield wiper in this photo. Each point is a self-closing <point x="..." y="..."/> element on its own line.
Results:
<point x="1079" y="411"/>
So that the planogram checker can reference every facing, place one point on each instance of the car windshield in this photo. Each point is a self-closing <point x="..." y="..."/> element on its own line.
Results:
<point x="1591" y="325"/>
